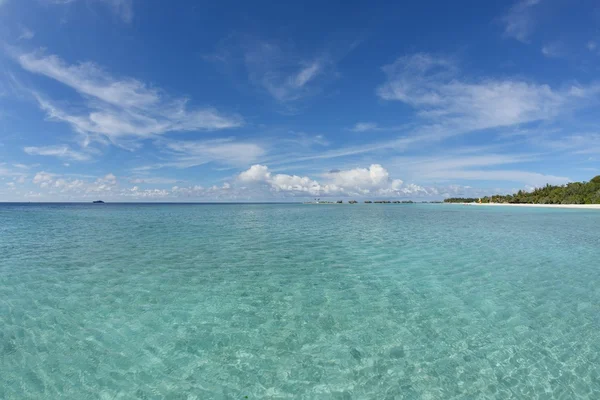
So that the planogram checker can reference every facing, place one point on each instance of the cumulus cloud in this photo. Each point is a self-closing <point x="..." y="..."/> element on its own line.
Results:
<point x="259" y="183"/>
<point x="433" y="87"/>
<point x="359" y="181"/>
<point x="62" y="184"/>
<point x="8" y="172"/>
<point x="109" y="187"/>
<point x="148" y="193"/>
<point x="64" y="152"/>
<point x="118" y="108"/>
<point x="256" y="173"/>
<point x="43" y="178"/>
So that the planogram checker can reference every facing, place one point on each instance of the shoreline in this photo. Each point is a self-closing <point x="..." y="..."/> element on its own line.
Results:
<point x="572" y="206"/>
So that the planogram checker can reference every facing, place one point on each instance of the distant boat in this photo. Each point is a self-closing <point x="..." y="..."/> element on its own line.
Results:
<point x="98" y="202"/>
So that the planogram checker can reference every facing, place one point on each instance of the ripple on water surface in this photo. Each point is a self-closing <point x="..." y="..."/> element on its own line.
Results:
<point x="293" y="301"/>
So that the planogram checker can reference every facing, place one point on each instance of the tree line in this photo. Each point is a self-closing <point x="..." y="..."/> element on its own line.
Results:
<point x="571" y="193"/>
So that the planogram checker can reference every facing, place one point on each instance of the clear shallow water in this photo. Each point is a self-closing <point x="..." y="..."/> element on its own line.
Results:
<point x="298" y="301"/>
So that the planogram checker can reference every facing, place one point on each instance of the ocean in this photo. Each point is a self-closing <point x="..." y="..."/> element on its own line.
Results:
<point x="258" y="301"/>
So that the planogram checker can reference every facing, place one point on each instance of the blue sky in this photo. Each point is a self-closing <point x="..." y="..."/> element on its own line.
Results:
<point x="131" y="100"/>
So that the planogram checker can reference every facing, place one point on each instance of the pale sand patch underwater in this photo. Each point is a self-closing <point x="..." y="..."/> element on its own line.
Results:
<point x="291" y="301"/>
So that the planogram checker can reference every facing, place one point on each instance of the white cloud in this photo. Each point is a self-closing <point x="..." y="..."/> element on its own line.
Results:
<point x="472" y="166"/>
<point x="23" y="166"/>
<point x="121" y="8"/>
<point x="519" y="22"/>
<point x="374" y="180"/>
<point x="148" y="193"/>
<point x="553" y="50"/>
<point x="120" y="108"/>
<point x="88" y="79"/>
<point x="529" y="178"/>
<point x="360" y="178"/>
<point x="58" y="184"/>
<point x="26" y="34"/>
<point x="301" y="139"/>
<point x="6" y="172"/>
<point x="225" y="151"/>
<point x="591" y="45"/>
<point x="285" y="77"/>
<point x="64" y="152"/>
<point x="188" y="153"/>
<point x="154" y="181"/>
<point x="364" y="127"/>
<point x="256" y="173"/>
<point x="582" y="143"/>
<point x="44" y="179"/>
<point x="68" y="185"/>
<point x="258" y="182"/>
<point x="434" y="88"/>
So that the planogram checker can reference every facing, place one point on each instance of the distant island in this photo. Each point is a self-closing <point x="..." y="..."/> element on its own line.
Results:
<point x="319" y="201"/>
<point x="98" y="202"/>
<point x="571" y="193"/>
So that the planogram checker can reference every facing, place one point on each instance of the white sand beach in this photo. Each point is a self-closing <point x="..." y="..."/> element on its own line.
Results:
<point x="579" y="206"/>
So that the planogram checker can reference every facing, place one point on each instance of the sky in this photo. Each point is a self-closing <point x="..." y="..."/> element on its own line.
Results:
<point x="132" y="100"/>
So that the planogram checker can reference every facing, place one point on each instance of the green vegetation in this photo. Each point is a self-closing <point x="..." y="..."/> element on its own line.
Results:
<point x="571" y="193"/>
<point x="461" y="200"/>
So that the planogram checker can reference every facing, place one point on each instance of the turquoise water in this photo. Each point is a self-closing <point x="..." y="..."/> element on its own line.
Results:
<point x="298" y="301"/>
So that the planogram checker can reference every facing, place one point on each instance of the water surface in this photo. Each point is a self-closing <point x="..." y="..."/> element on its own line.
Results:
<point x="298" y="301"/>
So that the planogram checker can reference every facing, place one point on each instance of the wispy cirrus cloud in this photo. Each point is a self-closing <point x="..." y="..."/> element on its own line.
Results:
<point x="580" y="143"/>
<point x="154" y="180"/>
<point x="284" y="75"/>
<point x="227" y="151"/>
<point x="119" y="108"/>
<point x="364" y="127"/>
<point x="121" y="8"/>
<point x="64" y="152"/>
<point x="434" y="87"/>
<point x="26" y="34"/>
<point x="553" y="50"/>
<point x="192" y="153"/>
<point x="519" y="22"/>
<point x="276" y="68"/>
<point x="474" y="166"/>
